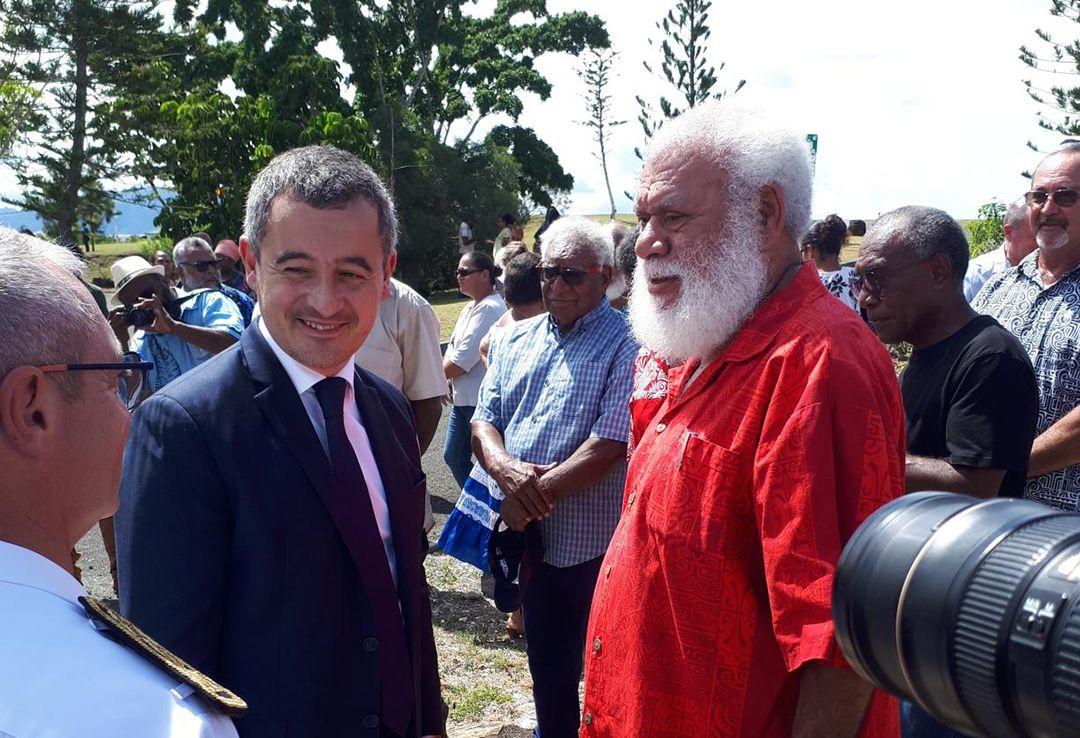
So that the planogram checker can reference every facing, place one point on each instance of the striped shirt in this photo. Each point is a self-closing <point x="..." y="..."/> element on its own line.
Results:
<point x="547" y="393"/>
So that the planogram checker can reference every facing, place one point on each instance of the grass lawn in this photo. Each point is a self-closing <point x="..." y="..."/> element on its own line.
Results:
<point x="447" y="305"/>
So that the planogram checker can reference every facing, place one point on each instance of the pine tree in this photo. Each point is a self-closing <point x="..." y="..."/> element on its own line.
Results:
<point x="595" y="73"/>
<point x="75" y="56"/>
<point x="684" y="65"/>
<point x="1060" y="102"/>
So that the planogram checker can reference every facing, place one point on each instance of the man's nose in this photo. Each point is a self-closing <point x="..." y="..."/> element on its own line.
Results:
<point x="650" y="244"/>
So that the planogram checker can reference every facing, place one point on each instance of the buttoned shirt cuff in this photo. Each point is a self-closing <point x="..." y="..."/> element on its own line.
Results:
<point x="817" y="643"/>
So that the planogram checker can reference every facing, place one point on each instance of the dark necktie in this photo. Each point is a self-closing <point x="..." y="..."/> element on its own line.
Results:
<point x="362" y="537"/>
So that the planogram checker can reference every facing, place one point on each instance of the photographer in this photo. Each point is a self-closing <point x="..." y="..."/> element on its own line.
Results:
<point x="175" y="331"/>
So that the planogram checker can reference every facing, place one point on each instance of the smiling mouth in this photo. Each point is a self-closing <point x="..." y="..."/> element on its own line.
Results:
<point x="321" y="327"/>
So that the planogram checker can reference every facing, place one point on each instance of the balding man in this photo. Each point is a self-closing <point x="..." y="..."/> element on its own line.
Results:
<point x="1038" y="303"/>
<point x="550" y="429"/>
<point x="200" y="268"/>
<point x="1019" y="242"/>
<point x="61" y="373"/>
<point x="780" y="432"/>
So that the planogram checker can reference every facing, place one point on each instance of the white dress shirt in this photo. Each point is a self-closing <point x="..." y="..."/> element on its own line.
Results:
<point x="981" y="268"/>
<point x="305" y="379"/>
<point x="62" y="678"/>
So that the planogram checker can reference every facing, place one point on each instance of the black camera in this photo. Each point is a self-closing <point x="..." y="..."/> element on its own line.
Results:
<point x="139" y="317"/>
<point x="969" y="608"/>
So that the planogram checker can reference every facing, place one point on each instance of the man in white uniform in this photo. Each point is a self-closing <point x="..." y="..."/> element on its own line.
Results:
<point x="65" y="672"/>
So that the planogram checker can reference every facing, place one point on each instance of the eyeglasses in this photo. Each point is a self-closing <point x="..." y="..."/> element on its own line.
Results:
<point x="202" y="266"/>
<point x="462" y="272"/>
<point x="573" y="276"/>
<point x="1064" y="198"/>
<point x="131" y="373"/>
<point x="873" y="281"/>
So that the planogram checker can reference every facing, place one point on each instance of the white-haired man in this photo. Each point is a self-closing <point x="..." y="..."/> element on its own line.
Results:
<point x="60" y="375"/>
<point x="1018" y="243"/>
<point x="779" y="433"/>
<point x="550" y="428"/>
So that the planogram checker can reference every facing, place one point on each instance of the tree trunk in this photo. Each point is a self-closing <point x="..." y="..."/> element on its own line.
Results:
<point x="69" y="209"/>
<point x="607" y="182"/>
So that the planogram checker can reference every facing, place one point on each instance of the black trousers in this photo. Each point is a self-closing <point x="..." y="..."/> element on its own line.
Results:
<point x="555" y="603"/>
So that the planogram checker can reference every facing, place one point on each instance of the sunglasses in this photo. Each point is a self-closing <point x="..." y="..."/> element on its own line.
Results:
<point x="573" y="276"/>
<point x="131" y="384"/>
<point x="874" y="281"/>
<point x="202" y="266"/>
<point x="1064" y="198"/>
<point x="462" y="272"/>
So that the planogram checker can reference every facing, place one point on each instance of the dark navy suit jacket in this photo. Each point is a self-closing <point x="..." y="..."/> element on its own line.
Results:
<point x="230" y="558"/>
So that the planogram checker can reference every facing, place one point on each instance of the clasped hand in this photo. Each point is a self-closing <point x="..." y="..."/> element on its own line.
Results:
<point x="527" y="496"/>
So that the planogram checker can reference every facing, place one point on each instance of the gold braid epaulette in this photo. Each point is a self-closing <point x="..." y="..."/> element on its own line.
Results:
<point x="130" y="635"/>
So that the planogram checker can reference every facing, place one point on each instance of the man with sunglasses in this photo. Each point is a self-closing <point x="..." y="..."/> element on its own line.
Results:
<point x="174" y="331"/>
<point x="200" y="268"/>
<point x="60" y="369"/>
<point x="550" y="429"/>
<point x="1038" y="301"/>
<point x="969" y="391"/>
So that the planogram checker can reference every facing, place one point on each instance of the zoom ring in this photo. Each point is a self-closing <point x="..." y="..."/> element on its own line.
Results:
<point x="982" y="615"/>
<point x="1065" y="676"/>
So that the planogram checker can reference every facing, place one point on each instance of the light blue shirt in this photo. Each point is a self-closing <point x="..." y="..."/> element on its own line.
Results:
<point x="171" y="355"/>
<point x="981" y="268"/>
<point x="548" y="393"/>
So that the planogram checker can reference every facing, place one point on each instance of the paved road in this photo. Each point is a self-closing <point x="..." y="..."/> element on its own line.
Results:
<point x="441" y="485"/>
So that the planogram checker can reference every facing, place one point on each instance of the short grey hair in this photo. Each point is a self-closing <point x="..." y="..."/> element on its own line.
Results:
<point x="569" y="235"/>
<point x="927" y="231"/>
<point x="49" y="317"/>
<point x="186" y="243"/>
<point x="1016" y="214"/>
<point x="323" y="177"/>
<point x="754" y="150"/>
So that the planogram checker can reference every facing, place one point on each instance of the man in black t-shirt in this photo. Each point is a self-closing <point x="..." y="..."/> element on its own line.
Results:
<point x="969" y="390"/>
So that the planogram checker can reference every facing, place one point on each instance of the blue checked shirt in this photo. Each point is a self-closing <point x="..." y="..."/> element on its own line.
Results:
<point x="1046" y="320"/>
<point x="549" y="393"/>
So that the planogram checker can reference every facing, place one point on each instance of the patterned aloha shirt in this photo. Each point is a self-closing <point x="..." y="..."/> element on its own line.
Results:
<point x="1046" y="320"/>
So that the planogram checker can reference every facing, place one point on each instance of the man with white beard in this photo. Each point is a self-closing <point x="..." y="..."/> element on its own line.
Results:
<point x="779" y="433"/>
<point x="1038" y="302"/>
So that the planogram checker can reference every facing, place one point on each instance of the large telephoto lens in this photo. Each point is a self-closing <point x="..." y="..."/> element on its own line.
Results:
<point x="969" y="608"/>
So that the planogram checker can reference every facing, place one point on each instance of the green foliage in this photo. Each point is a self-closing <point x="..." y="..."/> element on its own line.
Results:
<point x="684" y="64"/>
<point x="988" y="232"/>
<point x="17" y="110"/>
<point x="1061" y="102"/>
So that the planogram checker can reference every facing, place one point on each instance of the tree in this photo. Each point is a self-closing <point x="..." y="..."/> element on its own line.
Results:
<point x="595" y="73"/>
<point x="74" y="55"/>
<point x="684" y="65"/>
<point x="988" y="232"/>
<point x="1061" y="103"/>
<point x="17" y="112"/>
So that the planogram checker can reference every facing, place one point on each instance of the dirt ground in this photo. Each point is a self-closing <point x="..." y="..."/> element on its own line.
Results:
<point x="485" y="675"/>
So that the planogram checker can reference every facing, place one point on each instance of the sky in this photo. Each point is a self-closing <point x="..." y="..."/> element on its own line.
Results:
<point x="914" y="102"/>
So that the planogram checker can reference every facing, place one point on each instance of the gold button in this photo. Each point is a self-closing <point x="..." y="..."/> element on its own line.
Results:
<point x="588" y="719"/>
<point x="661" y="427"/>
<point x="596" y="645"/>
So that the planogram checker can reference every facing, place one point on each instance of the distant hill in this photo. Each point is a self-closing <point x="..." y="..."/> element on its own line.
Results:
<point x="130" y="219"/>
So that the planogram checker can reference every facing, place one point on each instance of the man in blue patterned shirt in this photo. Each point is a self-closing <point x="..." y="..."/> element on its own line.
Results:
<point x="550" y="428"/>
<point x="1039" y="302"/>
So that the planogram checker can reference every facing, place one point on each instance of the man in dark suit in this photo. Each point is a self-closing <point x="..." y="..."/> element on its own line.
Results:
<point x="272" y="503"/>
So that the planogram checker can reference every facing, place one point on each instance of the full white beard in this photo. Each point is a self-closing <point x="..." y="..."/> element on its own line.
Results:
<point x="723" y="282"/>
<point x="1050" y="243"/>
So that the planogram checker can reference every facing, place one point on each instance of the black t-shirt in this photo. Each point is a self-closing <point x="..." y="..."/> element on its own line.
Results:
<point x="972" y="401"/>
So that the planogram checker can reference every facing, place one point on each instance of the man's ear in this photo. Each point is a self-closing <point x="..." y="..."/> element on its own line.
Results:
<point x="1008" y="232"/>
<point x="606" y="273"/>
<point x="251" y="261"/>
<point x="27" y="409"/>
<point x="771" y="210"/>
<point x="941" y="271"/>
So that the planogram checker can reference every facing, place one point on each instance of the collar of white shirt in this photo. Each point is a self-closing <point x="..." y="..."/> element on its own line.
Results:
<point x="303" y="377"/>
<point x="25" y="568"/>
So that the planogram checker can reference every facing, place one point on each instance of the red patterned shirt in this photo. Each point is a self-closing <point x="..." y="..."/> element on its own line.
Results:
<point x="742" y="491"/>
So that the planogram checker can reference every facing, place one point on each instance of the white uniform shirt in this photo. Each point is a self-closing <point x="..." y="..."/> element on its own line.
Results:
<point x="981" y="268"/>
<point x="61" y="678"/>
<point x="305" y="379"/>
<point x="403" y="346"/>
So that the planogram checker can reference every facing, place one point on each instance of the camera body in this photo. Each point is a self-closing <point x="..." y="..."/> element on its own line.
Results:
<point x="969" y="608"/>
<point x="139" y="317"/>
